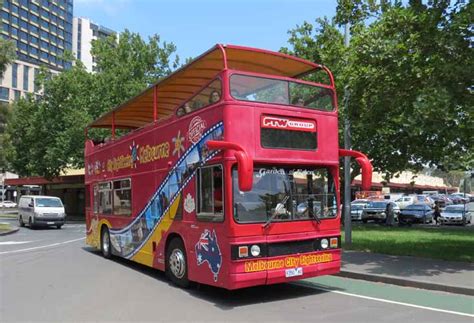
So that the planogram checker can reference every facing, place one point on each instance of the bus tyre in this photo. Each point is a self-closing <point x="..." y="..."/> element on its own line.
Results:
<point x="176" y="263"/>
<point x="59" y="226"/>
<point x="105" y="243"/>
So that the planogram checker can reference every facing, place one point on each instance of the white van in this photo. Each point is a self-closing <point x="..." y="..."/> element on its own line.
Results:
<point x="37" y="210"/>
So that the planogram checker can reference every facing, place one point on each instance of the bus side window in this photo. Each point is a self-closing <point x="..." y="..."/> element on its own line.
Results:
<point x="105" y="198"/>
<point x="96" y="198"/>
<point x="210" y="194"/>
<point x="122" y="199"/>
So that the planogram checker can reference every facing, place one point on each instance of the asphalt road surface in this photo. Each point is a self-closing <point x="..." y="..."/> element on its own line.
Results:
<point x="51" y="275"/>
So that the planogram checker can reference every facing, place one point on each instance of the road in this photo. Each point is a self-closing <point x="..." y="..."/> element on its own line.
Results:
<point x="51" y="275"/>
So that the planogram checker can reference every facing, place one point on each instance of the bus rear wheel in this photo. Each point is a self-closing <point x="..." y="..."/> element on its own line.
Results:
<point x="176" y="263"/>
<point x="105" y="243"/>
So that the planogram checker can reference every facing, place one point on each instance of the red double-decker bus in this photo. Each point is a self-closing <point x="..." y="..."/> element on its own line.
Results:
<point x="228" y="175"/>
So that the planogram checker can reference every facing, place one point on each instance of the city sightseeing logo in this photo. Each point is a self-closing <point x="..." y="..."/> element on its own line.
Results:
<point x="196" y="128"/>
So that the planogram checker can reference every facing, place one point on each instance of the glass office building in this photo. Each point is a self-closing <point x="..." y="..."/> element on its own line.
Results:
<point x="41" y="29"/>
<point x="42" y="33"/>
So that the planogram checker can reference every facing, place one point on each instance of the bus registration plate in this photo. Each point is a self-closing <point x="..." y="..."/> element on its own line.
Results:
<point x="50" y="222"/>
<point x="293" y="272"/>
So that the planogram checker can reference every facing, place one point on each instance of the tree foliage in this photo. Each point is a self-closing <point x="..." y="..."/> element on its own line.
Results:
<point x="46" y="134"/>
<point x="7" y="54"/>
<point x="409" y="71"/>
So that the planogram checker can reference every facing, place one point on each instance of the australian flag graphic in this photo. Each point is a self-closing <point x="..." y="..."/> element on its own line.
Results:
<point x="207" y="250"/>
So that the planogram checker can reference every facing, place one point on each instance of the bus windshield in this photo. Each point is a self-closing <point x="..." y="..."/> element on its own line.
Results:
<point x="296" y="189"/>
<point x="266" y="90"/>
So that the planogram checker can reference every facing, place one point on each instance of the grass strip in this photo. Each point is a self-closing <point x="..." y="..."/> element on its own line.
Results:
<point x="455" y="244"/>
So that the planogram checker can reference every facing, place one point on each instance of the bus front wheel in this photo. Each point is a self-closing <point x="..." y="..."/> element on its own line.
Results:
<point x="105" y="243"/>
<point x="176" y="263"/>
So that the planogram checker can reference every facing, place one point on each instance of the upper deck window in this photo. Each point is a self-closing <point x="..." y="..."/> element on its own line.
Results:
<point x="260" y="89"/>
<point x="209" y="95"/>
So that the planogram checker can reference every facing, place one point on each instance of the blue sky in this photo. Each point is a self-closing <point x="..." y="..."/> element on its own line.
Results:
<point x="195" y="26"/>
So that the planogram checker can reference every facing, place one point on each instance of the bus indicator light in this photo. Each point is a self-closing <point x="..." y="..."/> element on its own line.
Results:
<point x="243" y="251"/>
<point x="333" y="243"/>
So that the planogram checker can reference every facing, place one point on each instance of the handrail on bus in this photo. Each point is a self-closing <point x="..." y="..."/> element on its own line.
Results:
<point x="364" y="163"/>
<point x="245" y="162"/>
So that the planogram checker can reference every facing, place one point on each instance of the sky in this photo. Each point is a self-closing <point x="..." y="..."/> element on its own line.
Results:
<point x="195" y="26"/>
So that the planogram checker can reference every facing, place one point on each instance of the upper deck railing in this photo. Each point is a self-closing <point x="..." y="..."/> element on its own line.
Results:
<point x="162" y="98"/>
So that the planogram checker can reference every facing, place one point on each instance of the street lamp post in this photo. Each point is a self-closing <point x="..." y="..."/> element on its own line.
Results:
<point x="347" y="159"/>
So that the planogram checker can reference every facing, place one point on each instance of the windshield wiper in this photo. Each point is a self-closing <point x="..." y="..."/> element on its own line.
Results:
<point x="311" y="211"/>
<point x="278" y="208"/>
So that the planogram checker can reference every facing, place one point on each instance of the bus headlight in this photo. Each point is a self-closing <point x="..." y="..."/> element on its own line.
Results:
<point x="255" y="250"/>
<point x="324" y="243"/>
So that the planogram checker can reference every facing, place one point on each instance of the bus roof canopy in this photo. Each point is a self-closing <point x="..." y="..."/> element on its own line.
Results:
<point x="183" y="83"/>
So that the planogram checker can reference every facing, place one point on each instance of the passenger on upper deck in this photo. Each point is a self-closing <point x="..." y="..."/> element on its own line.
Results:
<point x="186" y="108"/>
<point x="214" y="97"/>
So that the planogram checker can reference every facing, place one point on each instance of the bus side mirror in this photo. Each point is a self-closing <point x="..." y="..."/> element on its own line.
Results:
<point x="365" y="165"/>
<point x="244" y="162"/>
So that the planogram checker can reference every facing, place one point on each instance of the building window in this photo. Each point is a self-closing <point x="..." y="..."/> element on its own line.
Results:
<point x="14" y="8"/>
<point x="5" y="15"/>
<point x="17" y="95"/>
<point x="14" y="20"/>
<point x="15" y="75"/>
<point x="4" y="93"/>
<point x="23" y="13"/>
<point x="210" y="194"/>
<point x="34" y="29"/>
<point x="5" y="27"/>
<point x="26" y="71"/>
<point x="35" y="81"/>
<point x="34" y="19"/>
<point x="33" y="7"/>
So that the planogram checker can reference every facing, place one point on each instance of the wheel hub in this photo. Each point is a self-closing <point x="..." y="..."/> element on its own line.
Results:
<point x="177" y="263"/>
<point x="105" y="242"/>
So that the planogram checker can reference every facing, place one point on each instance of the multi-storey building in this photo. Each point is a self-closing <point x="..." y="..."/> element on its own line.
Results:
<point x="84" y="32"/>
<point x="42" y="33"/>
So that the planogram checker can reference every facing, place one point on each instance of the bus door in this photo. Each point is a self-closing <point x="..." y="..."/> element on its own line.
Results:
<point x="207" y="236"/>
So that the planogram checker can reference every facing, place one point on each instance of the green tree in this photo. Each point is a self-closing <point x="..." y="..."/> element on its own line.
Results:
<point x="46" y="135"/>
<point x="7" y="54"/>
<point x="127" y="66"/>
<point x="5" y="112"/>
<point x="409" y="71"/>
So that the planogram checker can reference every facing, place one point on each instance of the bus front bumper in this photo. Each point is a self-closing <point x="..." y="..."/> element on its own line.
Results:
<point x="267" y="271"/>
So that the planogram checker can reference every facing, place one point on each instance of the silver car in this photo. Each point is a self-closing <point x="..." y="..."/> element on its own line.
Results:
<point x="357" y="206"/>
<point x="455" y="214"/>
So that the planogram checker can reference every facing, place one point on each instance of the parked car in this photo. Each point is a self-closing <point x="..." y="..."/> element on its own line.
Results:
<point x="38" y="210"/>
<point x="458" y="199"/>
<point x="442" y="200"/>
<point x="416" y="213"/>
<point x="375" y="210"/>
<point x="404" y="201"/>
<point x="426" y="199"/>
<point x="8" y="204"/>
<point x="455" y="214"/>
<point x="356" y="209"/>
<point x="468" y="197"/>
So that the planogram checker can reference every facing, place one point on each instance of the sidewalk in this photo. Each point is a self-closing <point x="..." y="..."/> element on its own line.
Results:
<point x="448" y="276"/>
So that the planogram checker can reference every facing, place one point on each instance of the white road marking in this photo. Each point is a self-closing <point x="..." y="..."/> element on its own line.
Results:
<point x="13" y="242"/>
<point x="391" y="302"/>
<point x="41" y="247"/>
